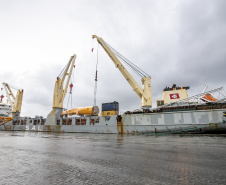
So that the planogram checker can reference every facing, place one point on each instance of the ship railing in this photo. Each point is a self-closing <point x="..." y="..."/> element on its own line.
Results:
<point x="197" y="98"/>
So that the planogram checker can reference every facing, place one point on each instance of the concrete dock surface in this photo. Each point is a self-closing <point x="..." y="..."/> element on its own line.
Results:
<point x="70" y="158"/>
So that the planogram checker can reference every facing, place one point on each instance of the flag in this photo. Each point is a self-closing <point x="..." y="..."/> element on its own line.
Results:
<point x="174" y="96"/>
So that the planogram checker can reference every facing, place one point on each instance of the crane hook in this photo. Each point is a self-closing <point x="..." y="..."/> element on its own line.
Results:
<point x="71" y="86"/>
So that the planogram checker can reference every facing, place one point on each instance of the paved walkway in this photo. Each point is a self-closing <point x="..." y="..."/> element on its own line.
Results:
<point x="47" y="158"/>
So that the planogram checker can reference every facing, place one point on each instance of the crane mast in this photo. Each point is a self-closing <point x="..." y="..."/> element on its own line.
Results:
<point x="59" y="90"/>
<point x="14" y="101"/>
<point x="145" y="92"/>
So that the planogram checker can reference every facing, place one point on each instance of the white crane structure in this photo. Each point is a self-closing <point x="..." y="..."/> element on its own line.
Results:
<point x="145" y="92"/>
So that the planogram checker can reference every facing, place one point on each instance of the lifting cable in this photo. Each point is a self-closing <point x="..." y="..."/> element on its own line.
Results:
<point x="71" y="86"/>
<point x="12" y="87"/>
<point x="1" y="96"/>
<point x="61" y="73"/>
<point x="95" y="86"/>
<point x="135" y="68"/>
<point x="70" y="96"/>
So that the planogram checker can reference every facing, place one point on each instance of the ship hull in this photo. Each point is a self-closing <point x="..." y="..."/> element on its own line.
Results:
<point x="196" y="121"/>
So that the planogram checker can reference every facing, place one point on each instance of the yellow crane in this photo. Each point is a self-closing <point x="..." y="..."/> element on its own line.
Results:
<point x="60" y="91"/>
<point x="87" y="111"/>
<point x="4" y="120"/>
<point x="14" y="101"/>
<point x="145" y="92"/>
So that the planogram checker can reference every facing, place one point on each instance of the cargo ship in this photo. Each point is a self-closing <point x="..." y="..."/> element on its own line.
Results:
<point x="175" y="112"/>
<point x="183" y="118"/>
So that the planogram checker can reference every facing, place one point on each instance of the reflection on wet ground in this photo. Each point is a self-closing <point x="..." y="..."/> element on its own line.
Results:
<point x="64" y="158"/>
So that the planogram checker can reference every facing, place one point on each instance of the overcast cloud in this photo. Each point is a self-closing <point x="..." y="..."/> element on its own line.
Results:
<point x="181" y="42"/>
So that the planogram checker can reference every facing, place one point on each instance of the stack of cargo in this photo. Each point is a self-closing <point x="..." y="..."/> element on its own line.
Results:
<point x="109" y="109"/>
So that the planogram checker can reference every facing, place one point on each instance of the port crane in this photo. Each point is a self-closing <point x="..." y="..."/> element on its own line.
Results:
<point x="60" y="91"/>
<point x="145" y="92"/>
<point x="14" y="101"/>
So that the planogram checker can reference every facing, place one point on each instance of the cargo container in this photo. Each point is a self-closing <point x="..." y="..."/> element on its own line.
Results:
<point x="109" y="109"/>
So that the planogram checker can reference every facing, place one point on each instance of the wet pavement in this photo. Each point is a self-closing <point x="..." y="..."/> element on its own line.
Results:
<point x="51" y="158"/>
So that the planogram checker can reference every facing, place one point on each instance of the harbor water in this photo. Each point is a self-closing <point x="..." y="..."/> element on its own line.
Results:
<point x="72" y="158"/>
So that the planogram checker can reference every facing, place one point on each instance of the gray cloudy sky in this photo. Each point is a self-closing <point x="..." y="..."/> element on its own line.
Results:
<point x="182" y="42"/>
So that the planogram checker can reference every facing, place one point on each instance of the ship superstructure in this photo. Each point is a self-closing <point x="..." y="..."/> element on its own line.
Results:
<point x="173" y="94"/>
<point x="5" y="110"/>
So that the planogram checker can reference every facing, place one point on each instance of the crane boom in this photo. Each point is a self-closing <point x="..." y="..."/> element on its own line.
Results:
<point x="14" y="101"/>
<point x="59" y="90"/>
<point x="145" y="92"/>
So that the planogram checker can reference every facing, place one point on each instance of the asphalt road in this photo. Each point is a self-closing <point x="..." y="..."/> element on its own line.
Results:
<point x="51" y="158"/>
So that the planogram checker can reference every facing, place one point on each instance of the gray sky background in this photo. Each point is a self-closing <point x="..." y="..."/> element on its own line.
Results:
<point x="181" y="42"/>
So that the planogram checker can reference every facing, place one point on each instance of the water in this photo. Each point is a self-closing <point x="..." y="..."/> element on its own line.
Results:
<point x="53" y="158"/>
